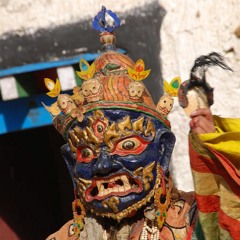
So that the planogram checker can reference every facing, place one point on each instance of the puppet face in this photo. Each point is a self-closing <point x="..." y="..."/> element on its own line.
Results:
<point x="165" y="104"/>
<point x="114" y="157"/>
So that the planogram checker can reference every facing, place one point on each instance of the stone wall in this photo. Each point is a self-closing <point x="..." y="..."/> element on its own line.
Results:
<point x="189" y="29"/>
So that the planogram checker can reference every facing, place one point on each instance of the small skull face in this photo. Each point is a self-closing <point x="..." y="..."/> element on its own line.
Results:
<point x="135" y="90"/>
<point x="165" y="104"/>
<point x="92" y="90"/>
<point x="65" y="103"/>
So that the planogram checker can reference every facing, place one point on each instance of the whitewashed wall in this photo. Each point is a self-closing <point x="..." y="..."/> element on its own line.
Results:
<point x="190" y="29"/>
<point x="29" y="15"/>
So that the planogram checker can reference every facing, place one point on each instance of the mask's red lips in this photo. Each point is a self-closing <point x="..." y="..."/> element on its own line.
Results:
<point x="119" y="185"/>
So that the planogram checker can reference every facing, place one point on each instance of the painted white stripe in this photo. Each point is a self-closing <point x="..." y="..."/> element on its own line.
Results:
<point x="8" y="86"/>
<point x="66" y="77"/>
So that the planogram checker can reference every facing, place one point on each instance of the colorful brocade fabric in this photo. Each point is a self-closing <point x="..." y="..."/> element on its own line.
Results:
<point x="215" y="163"/>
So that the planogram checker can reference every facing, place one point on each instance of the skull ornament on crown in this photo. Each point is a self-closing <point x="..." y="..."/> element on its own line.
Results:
<point x="118" y="144"/>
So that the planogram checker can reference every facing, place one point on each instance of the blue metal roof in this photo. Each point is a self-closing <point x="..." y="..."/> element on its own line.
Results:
<point x="28" y="112"/>
<point x="51" y="64"/>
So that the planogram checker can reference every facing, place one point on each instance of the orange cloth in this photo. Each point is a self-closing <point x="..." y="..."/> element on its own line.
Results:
<point x="215" y="163"/>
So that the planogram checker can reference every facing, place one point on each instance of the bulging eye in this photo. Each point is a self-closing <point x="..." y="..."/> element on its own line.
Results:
<point x="128" y="145"/>
<point x="131" y="145"/>
<point x="99" y="128"/>
<point x="85" y="154"/>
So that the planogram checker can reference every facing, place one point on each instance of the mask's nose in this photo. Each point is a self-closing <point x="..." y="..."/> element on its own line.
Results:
<point x="105" y="165"/>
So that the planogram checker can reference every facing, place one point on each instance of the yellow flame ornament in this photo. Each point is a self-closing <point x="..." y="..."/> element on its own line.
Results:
<point x="54" y="88"/>
<point x="138" y="73"/>
<point x="172" y="87"/>
<point x="89" y="72"/>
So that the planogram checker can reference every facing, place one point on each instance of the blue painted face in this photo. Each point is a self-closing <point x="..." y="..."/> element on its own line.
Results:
<point x="113" y="157"/>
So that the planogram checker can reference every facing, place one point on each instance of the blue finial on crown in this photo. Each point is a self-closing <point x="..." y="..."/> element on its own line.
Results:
<point x="100" y="24"/>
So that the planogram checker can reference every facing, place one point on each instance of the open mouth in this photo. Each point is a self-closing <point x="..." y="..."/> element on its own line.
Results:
<point x="93" y="96"/>
<point x="119" y="185"/>
<point x="164" y="110"/>
<point x="134" y="97"/>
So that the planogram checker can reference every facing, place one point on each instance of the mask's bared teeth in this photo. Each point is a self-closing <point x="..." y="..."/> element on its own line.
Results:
<point x="126" y="183"/>
<point x="101" y="191"/>
<point x="120" y="185"/>
<point x="98" y="183"/>
<point x="121" y="189"/>
<point x="107" y="191"/>
<point x="126" y="187"/>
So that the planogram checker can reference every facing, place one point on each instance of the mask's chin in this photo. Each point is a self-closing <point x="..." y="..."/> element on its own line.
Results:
<point x="118" y="196"/>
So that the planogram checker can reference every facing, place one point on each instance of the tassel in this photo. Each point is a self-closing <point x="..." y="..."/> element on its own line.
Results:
<point x="162" y="200"/>
<point x="78" y="215"/>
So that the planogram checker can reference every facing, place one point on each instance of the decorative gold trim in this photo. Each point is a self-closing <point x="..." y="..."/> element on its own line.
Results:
<point x="125" y="125"/>
<point x="82" y="185"/>
<point x="150" y="129"/>
<point x="113" y="202"/>
<point x="111" y="135"/>
<point x="138" y="125"/>
<point x="121" y="129"/>
<point x="147" y="175"/>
